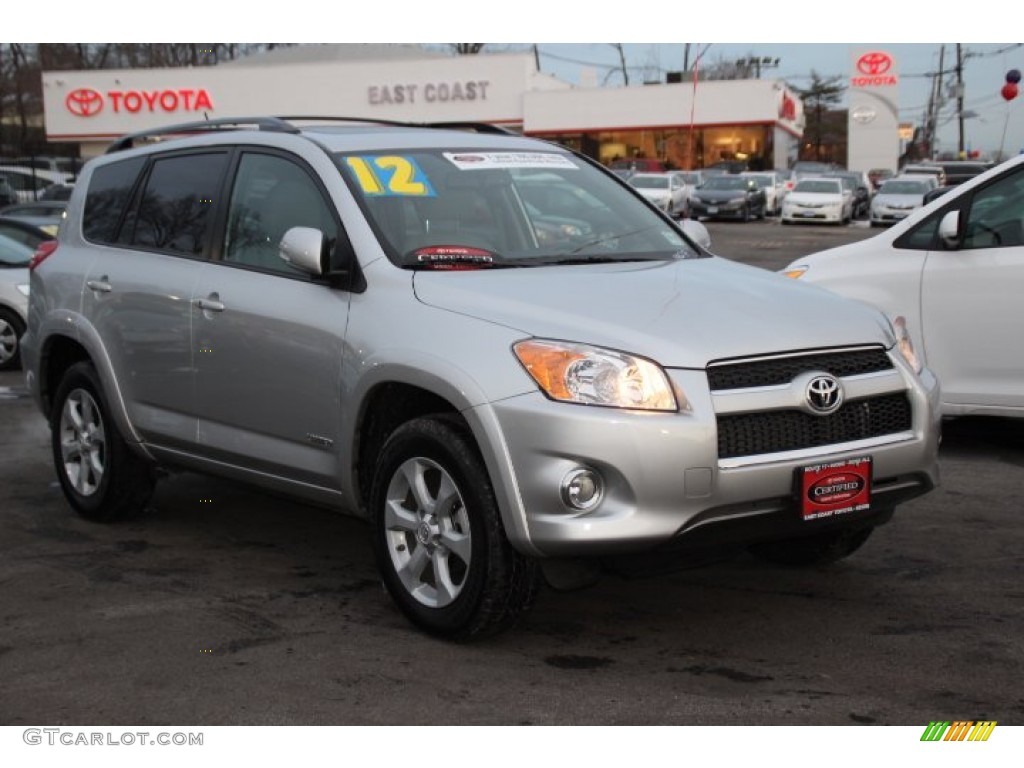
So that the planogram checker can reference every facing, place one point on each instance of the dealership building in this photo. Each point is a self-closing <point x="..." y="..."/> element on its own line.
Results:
<point x="687" y="124"/>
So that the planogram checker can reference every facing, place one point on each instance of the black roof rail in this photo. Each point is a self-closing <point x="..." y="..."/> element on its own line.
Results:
<point x="344" y="119"/>
<point x="282" y="124"/>
<point x="465" y="125"/>
<point x="275" y="124"/>
<point x="454" y="125"/>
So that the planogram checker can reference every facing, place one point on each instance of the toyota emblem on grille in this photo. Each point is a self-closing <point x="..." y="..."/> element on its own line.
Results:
<point x="824" y="394"/>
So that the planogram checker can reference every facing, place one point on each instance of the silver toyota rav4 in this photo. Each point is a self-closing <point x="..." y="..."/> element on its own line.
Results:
<point x="487" y="345"/>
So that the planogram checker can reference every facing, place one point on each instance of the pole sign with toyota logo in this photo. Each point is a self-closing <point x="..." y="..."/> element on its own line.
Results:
<point x="873" y="122"/>
<point x="874" y="68"/>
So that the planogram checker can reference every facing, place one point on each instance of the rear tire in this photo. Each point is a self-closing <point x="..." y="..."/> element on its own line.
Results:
<point x="11" y="331"/>
<point x="438" y="535"/>
<point x="818" y="549"/>
<point x="102" y="478"/>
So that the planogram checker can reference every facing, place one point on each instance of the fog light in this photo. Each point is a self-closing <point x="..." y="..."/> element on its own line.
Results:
<point x="582" y="489"/>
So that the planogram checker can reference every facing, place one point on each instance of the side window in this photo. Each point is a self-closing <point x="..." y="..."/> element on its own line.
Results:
<point x="922" y="237"/>
<point x="176" y="207"/>
<point x="996" y="216"/>
<point x="270" y="196"/>
<point x="110" y="188"/>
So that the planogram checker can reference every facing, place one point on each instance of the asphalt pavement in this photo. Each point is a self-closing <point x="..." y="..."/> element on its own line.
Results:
<point x="224" y="605"/>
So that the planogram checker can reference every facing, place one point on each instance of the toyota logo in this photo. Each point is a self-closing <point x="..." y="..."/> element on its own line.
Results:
<point x="824" y="394"/>
<point x="874" y="63"/>
<point x="84" y="102"/>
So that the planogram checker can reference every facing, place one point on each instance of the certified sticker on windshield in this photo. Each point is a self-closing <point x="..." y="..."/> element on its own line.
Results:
<point x="471" y="161"/>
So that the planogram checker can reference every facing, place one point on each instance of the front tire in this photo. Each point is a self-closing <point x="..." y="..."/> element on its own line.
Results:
<point x="11" y="331"/>
<point x="438" y="536"/>
<point x="101" y="477"/>
<point x="818" y="549"/>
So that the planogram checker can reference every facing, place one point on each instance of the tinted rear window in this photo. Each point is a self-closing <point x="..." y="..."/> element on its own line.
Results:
<point x="174" y="211"/>
<point x="109" y="190"/>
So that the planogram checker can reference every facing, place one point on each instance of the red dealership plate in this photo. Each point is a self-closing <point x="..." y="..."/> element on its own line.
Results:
<point x="835" y="488"/>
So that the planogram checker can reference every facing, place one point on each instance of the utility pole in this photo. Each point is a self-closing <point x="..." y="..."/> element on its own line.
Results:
<point x="686" y="57"/>
<point x="935" y="103"/>
<point x="960" y="99"/>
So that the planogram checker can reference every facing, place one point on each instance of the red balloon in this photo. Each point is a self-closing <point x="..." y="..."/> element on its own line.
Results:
<point x="1009" y="91"/>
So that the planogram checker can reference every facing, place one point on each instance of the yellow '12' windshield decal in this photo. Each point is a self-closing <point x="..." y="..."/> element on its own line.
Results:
<point x="390" y="175"/>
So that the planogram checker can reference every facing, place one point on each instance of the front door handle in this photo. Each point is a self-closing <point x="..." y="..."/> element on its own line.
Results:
<point x="100" y="286"/>
<point x="211" y="303"/>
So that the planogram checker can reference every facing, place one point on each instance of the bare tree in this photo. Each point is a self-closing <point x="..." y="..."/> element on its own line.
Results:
<point x="622" y="62"/>
<point x="464" y="49"/>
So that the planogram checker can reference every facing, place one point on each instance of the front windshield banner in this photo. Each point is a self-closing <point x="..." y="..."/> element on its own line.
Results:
<point x="475" y="161"/>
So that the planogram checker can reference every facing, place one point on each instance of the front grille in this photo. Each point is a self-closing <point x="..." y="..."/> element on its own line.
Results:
<point x="782" y="370"/>
<point x="751" y="434"/>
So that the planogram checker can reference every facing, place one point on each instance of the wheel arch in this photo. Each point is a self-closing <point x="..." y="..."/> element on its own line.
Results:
<point x="400" y="393"/>
<point x="60" y="350"/>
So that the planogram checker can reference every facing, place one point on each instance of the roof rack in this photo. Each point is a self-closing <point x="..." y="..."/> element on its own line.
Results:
<point x="479" y="127"/>
<point x="471" y="126"/>
<point x="282" y="124"/>
<point x="201" y="126"/>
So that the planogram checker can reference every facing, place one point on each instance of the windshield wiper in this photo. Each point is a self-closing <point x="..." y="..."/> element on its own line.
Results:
<point x="589" y="259"/>
<point x="613" y="236"/>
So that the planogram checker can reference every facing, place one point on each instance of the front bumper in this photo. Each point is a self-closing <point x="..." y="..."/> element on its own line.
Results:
<point x="886" y="216"/>
<point x="663" y="479"/>
<point x="796" y="214"/>
<point x="717" y="210"/>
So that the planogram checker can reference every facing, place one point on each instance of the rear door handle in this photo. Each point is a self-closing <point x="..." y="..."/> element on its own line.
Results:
<point x="100" y="286"/>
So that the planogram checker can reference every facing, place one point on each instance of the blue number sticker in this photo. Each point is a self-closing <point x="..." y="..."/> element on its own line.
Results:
<point x="390" y="175"/>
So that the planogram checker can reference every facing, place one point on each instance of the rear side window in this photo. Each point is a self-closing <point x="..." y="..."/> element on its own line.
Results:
<point x="176" y="207"/>
<point x="109" y="191"/>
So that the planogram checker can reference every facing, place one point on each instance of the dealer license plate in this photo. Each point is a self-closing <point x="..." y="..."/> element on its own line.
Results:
<point x="835" y="488"/>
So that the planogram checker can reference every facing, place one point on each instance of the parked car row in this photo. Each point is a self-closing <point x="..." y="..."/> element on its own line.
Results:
<point x="18" y="241"/>
<point x="20" y="184"/>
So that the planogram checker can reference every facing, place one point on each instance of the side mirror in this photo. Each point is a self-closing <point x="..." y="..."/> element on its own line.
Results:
<point x="696" y="232"/>
<point x="303" y="249"/>
<point x="949" y="229"/>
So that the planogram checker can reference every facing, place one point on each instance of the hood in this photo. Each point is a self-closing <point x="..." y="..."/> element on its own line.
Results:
<point x="719" y="195"/>
<point x="814" y="198"/>
<point x="681" y="314"/>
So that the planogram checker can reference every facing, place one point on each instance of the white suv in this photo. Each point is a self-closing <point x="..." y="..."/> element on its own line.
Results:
<point x="954" y="269"/>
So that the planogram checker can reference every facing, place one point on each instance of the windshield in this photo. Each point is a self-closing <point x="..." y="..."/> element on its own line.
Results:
<point x="649" y="182"/>
<point x="903" y="188"/>
<point x="763" y="182"/>
<point x="819" y="185"/>
<point x="690" y="178"/>
<point x="726" y="182"/>
<point x="13" y="254"/>
<point x="475" y="209"/>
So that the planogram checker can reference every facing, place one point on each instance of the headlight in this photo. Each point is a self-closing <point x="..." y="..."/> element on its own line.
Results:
<point x="23" y="287"/>
<point x="796" y="272"/>
<point x="904" y="344"/>
<point x="579" y="373"/>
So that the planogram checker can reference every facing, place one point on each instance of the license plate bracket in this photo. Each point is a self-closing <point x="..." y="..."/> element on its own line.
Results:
<point x="836" y="488"/>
